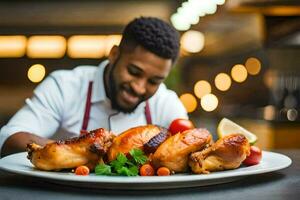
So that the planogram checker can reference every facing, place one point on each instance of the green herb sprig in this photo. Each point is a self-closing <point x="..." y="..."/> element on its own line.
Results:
<point x="123" y="166"/>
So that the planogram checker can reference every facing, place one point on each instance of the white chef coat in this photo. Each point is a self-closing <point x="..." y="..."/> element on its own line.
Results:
<point x="57" y="107"/>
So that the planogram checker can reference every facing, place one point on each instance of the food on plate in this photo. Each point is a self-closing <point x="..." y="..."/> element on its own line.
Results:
<point x="173" y="153"/>
<point x="147" y="170"/>
<point x="150" y="150"/>
<point x="227" y="153"/>
<point x="82" y="170"/>
<point x="227" y="127"/>
<point x="85" y="150"/>
<point x="133" y="138"/>
<point x="255" y="156"/>
<point x="163" y="171"/>
<point x="180" y="125"/>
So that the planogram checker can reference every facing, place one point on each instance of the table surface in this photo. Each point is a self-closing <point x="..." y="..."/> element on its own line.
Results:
<point x="282" y="184"/>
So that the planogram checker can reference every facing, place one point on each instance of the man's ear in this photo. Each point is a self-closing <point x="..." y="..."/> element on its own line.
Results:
<point x="114" y="54"/>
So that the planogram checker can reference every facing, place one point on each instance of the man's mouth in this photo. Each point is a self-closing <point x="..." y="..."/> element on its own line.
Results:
<point x="129" y="98"/>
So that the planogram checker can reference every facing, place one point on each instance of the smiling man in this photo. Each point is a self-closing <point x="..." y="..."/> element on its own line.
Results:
<point x="124" y="91"/>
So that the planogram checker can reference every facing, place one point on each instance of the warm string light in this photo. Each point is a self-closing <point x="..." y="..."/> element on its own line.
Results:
<point x="112" y="40"/>
<point x="209" y="102"/>
<point x="223" y="82"/>
<point x="46" y="46"/>
<point x="12" y="46"/>
<point x="189" y="102"/>
<point x="239" y="73"/>
<point x="191" y="11"/>
<point x="86" y="46"/>
<point x="192" y="41"/>
<point x="36" y="73"/>
<point x="253" y="66"/>
<point x="202" y="88"/>
<point x="55" y="46"/>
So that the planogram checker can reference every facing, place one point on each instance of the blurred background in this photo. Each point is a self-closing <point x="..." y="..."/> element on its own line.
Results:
<point x="239" y="59"/>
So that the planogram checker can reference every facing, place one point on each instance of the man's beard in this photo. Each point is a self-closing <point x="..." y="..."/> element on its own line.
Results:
<point x="114" y="89"/>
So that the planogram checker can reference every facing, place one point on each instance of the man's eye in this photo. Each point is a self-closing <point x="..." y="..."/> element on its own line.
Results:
<point x="133" y="72"/>
<point x="154" y="82"/>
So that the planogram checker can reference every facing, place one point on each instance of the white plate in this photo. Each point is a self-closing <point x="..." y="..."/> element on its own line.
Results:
<point x="19" y="164"/>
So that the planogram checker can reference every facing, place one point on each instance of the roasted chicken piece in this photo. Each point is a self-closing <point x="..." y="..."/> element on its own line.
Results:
<point x="86" y="150"/>
<point x="133" y="138"/>
<point x="227" y="153"/>
<point x="151" y="146"/>
<point x="174" y="152"/>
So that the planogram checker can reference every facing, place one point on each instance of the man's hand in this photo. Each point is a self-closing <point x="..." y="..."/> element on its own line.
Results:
<point x="18" y="142"/>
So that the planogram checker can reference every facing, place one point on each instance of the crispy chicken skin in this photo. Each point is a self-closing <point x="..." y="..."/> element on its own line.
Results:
<point x="173" y="153"/>
<point x="132" y="138"/>
<point x="86" y="150"/>
<point x="227" y="153"/>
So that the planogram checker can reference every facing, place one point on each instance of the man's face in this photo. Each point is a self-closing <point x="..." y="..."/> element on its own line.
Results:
<point x="134" y="77"/>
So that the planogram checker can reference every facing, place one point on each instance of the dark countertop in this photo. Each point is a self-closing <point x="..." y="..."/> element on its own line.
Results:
<point x="282" y="184"/>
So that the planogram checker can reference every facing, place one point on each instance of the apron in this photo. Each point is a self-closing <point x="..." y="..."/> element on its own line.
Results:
<point x="88" y="109"/>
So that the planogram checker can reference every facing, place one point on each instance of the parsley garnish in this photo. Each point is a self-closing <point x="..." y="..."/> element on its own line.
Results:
<point x="122" y="165"/>
<point x="138" y="156"/>
<point x="103" y="169"/>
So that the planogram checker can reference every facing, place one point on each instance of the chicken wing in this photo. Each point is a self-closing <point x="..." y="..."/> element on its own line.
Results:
<point x="132" y="138"/>
<point x="86" y="150"/>
<point x="227" y="153"/>
<point x="173" y="153"/>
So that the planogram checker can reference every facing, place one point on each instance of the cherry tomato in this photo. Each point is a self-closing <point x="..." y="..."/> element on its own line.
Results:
<point x="82" y="170"/>
<point x="147" y="170"/>
<point x="180" y="125"/>
<point x="254" y="157"/>
<point x="163" y="171"/>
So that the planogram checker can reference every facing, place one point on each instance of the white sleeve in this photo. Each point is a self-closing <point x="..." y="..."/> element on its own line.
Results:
<point x="41" y="114"/>
<point x="167" y="107"/>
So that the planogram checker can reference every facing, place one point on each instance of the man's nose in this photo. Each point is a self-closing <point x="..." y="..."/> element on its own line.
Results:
<point x="139" y="86"/>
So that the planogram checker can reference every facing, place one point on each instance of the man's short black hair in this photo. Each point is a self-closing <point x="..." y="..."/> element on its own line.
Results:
<point x="153" y="34"/>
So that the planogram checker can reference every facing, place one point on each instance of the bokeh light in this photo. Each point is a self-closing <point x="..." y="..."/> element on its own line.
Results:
<point x="192" y="41"/>
<point x="110" y="41"/>
<point x="292" y="114"/>
<point x="36" y="73"/>
<point x="188" y="13"/>
<point x="209" y="6"/>
<point x="179" y="22"/>
<point x="219" y="2"/>
<point x="269" y="112"/>
<point x="253" y="66"/>
<point x="202" y="88"/>
<point x="87" y="46"/>
<point x="189" y="102"/>
<point x="209" y="102"/>
<point x="239" y="73"/>
<point x="45" y="46"/>
<point x="13" y="46"/>
<point x="223" y="81"/>
<point x="270" y="78"/>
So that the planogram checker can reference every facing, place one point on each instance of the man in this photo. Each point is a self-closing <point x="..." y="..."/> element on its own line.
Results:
<point x="123" y="92"/>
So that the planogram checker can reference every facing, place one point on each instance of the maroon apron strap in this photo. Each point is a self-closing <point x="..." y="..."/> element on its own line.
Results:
<point x="148" y="113"/>
<point x="87" y="109"/>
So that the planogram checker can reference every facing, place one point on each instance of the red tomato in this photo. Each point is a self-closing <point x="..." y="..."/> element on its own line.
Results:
<point x="82" y="170"/>
<point x="254" y="157"/>
<point x="180" y="125"/>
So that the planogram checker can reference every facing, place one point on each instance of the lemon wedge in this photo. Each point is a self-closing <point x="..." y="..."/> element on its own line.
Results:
<point x="227" y="127"/>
